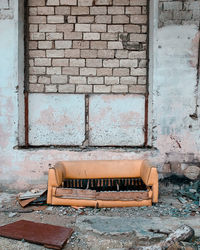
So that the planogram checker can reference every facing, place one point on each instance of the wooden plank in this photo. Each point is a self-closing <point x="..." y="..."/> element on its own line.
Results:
<point x="75" y="193"/>
<point x="72" y="193"/>
<point x="122" y="196"/>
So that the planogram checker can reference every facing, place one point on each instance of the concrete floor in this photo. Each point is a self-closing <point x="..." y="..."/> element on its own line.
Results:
<point x="117" y="228"/>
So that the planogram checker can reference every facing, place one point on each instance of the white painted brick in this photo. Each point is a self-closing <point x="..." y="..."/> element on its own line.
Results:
<point x="121" y="72"/>
<point x="37" y="19"/>
<point x="44" y="79"/>
<point x="84" y="89"/>
<point x="98" y="27"/>
<point x="54" y="36"/>
<point x="79" y="11"/>
<point x="138" y="71"/>
<point x="121" y="54"/>
<point x="45" y="45"/>
<point x="51" y="88"/>
<point x="111" y="63"/>
<point x="85" y="2"/>
<point x="55" y="53"/>
<point x="102" y="89"/>
<point x="85" y="19"/>
<point x="35" y="2"/>
<point x="95" y="80"/>
<point x="72" y="53"/>
<point x="104" y="72"/>
<point x="88" y="71"/>
<point x="37" y="36"/>
<point x="114" y="10"/>
<point x="47" y="28"/>
<point x="81" y="44"/>
<point x="91" y="53"/>
<point x="36" y="53"/>
<point x="105" y="53"/>
<point x="67" y="27"/>
<point x="33" y="11"/>
<point x="119" y="88"/>
<point x="33" y="79"/>
<point x="141" y="19"/>
<point x="77" y="62"/>
<point x="111" y="80"/>
<point x="137" y="54"/>
<point x="54" y="70"/>
<point x="142" y="80"/>
<point x="137" y="89"/>
<point x="37" y="70"/>
<point x="82" y="27"/>
<point x="103" y="19"/>
<point x="52" y="2"/>
<point x="91" y="36"/>
<point x="120" y="19"/>
<point x="32" y="45"/>
<point x="68" y="2"/>
<point x="45" y="10"/>
<point x="69" y="88"/>
<point x="60" y="62"/>
<point x="70" y="71"/>
<point x="138" y="2"/>
<point x="128" y="80"/>
<point x="77" y="79"/>
<point x="62" y="10"/>
<point x="115" y="45"/>
<point x="94" y="63"/>
<point x="33" y="28"/>
<point x="103" y="2"/>
<point x="42" y="62"/>
<point x="59" y="79"/>
<point x="36" y="88"/>
<point x="120" y="2"/>
<point x="63" y="44"/>
<point x="98" y="10"/>
<point x="73" y="35"/>
<point x="55" y="19"/>
<point x="98" y="45"/>
<point x="128" y="63"/>
<point x="115" y="28"/>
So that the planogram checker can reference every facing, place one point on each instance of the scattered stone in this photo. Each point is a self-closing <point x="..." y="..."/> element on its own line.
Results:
<point x="182" y="200"/>
<point x="11" y="215"/>
<point x="192" y="172"/>
<point x="49" y="208"/>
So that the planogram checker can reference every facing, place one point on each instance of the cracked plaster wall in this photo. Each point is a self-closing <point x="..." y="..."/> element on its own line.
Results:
<point x="173" y="113"/>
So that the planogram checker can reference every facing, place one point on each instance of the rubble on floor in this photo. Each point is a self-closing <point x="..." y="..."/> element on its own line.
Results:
<point x="113" y="228"/>
<point x="32" y="197"/>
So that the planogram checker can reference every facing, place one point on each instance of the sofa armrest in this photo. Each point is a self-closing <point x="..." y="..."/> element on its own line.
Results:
<point x="149" y="176"/>
<point x="55" y="178"/>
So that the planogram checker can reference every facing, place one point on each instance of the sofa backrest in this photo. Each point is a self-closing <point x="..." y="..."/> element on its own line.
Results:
<point x="101" y="169"/>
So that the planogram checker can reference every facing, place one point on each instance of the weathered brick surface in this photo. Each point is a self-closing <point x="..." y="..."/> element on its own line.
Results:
<point x="88" y="46"/>
<point x="179" y="12"/>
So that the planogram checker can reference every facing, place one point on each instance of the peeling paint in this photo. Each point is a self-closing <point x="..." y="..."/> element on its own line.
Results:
<point x="176" y="137"/>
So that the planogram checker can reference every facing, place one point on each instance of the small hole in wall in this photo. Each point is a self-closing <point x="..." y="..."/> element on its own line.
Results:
<point x="190" y="126"/>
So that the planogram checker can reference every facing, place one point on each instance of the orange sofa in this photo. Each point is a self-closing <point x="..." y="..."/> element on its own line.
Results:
<point x="57" y="195"/>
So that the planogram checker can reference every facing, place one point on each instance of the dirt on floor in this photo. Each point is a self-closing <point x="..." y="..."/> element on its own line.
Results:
<point x="109" y="228"/>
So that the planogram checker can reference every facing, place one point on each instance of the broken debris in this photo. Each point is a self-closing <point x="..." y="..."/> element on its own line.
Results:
<point x="183" y="233"/>
<point x="33" y="197"/>
<point x="48" y="235"/>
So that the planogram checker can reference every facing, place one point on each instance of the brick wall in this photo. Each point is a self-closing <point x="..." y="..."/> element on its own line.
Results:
<point x="179" y="12"/>
<point x="88" y="46"/>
